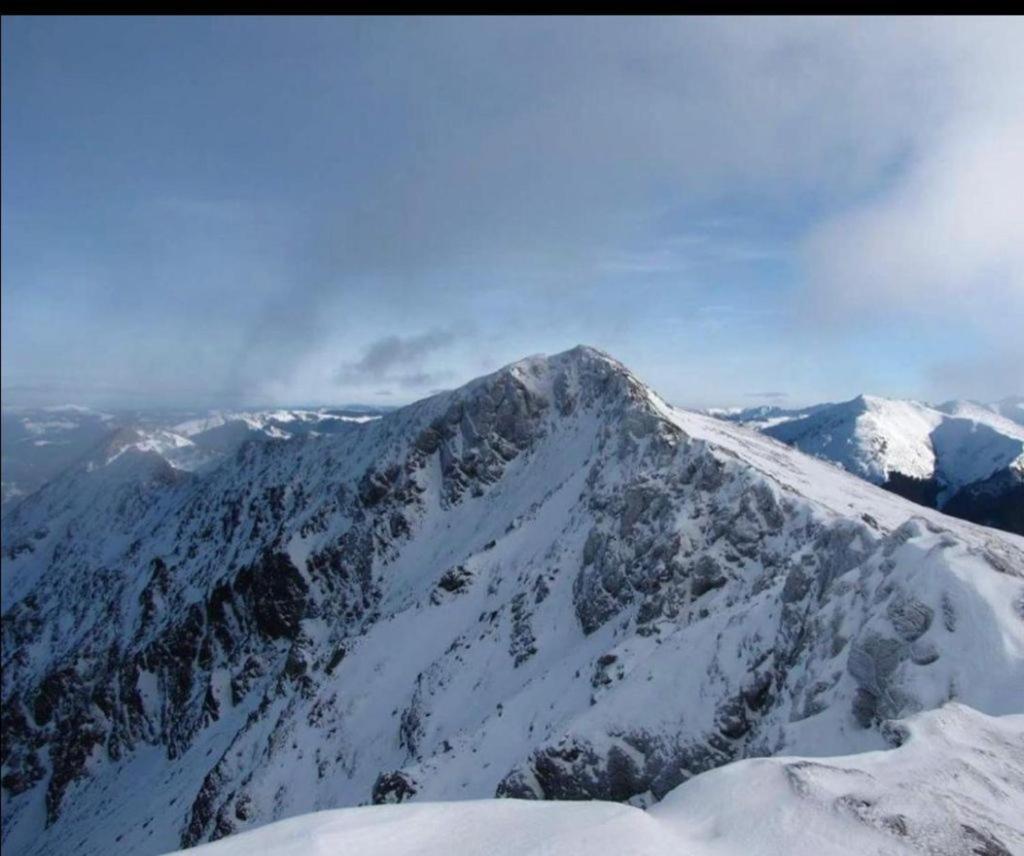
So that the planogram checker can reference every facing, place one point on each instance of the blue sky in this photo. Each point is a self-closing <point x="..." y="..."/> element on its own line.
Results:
<point x="256" y="211"/>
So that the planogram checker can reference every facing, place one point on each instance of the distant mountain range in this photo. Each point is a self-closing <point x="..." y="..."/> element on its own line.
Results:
<point x="40" y="443"/>
<point x="964" y="458"/>
<point x="547" y="584"/>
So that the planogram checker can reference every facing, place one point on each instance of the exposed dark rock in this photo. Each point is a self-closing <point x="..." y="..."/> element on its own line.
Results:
<point x="455" y="579"/>
<point x="997" y="501"/>
<point x="335" y="661"/>
<point x="707" y="576"/>
<point x="603" y="673"/>
<point x="275" y="592"/>
<point x="575" y="770"/>
<point x="204" y="809"/>
<point x="910" y="617"/>
<point x="393" y="787"/>
<point x="864" y="707"/>
<point x="523" y="644"/>
<point x="922" y="491"/>
<point x="731" y="719"/>
<point x="798" y="584"/>
<point x="757" y="691"/>
<point x="983" y="843"/>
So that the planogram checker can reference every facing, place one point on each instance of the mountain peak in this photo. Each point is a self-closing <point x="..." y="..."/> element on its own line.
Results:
<point x="585" y="353"/>
<point x="867" y="402"/>
<point x="549" y="545"/>
<point x="580" y="357"/>
<point x="581" y="375"/>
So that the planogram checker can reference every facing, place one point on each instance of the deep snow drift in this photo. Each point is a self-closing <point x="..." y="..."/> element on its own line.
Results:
<point x="954" y="786"/>
<point x="547" y="584"/>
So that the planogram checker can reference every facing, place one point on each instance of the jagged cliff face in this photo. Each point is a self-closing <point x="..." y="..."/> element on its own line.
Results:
<point x="546" y="584"/>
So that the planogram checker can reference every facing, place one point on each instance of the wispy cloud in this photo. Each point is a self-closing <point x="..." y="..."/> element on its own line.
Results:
<point x="943" y="239"/>
<point x="393" y="357"/>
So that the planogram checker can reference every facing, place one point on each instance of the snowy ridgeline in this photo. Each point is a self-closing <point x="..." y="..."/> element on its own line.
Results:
<point x="548" y="584"/>
<point x="955" y="785"/>
<point x="39" y="444"/>
<point x="962" y="457"/>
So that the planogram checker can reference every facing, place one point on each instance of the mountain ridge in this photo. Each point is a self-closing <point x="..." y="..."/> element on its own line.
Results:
<point x="492" y="591"/>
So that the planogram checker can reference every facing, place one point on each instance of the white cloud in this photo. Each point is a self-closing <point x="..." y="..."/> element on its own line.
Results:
<point x="945" y="238"/>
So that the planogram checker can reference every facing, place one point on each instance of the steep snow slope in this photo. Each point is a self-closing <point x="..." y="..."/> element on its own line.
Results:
<point x="548" y="583"/>
<point x="954" y="786"/>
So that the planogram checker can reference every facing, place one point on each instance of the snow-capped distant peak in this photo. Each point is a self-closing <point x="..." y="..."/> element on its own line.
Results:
<point x="868" y="435"/>
<point x="875" y="437"/>
<point x="984" y="415"/>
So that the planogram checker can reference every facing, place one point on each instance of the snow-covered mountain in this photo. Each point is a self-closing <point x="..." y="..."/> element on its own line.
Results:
<point x="1011" y="408"/>
<point x="41" y="443"/>
<point x="764" y="415"/>
<point x="954" y="785"/>
<point x="962" y="457"/>
<point x="546" y="584"/>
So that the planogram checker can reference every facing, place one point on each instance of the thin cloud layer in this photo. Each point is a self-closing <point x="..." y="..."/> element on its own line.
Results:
<point x="946" y="240"/>
<point x="395" y="359"/>
<point x="385" y="354"/>
<point x="241" y="207"/>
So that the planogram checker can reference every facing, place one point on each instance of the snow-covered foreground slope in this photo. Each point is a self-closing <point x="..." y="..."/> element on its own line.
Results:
<point x="547" y="584"/>
<point x="954" y="786"/>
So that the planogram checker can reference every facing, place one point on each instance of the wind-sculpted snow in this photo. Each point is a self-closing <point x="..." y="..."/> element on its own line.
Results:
<point x="546" y="584"/>
<point x="954" y="786"/>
